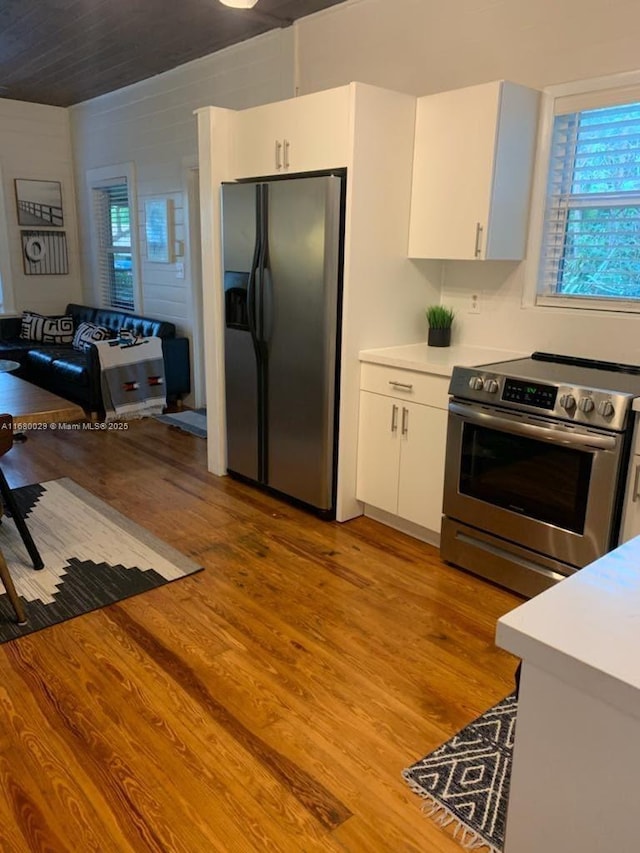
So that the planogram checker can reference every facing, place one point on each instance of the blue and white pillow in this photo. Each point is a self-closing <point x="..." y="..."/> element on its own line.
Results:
<point x="88" y="333"/>
<point x="46" y="330"/>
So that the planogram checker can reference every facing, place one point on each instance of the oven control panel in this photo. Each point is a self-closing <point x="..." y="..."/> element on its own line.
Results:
<point x="529" y="393"/>
<point x="589" y="406"/>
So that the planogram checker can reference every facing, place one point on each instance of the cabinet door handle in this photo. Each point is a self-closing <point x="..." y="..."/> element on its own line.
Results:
<point x="478" y="249"/>
<point x="278" y="154"/>
<point x="403" y="385"/>
<point x="405" y="420"/>
<point x="394" y="419"/>
<point x="285" y="162"/>
<point x="635" y="495"/>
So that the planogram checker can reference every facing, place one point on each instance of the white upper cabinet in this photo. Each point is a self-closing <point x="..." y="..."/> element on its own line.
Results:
<point x="472" y="168"/>
<point x="299" y="135"/>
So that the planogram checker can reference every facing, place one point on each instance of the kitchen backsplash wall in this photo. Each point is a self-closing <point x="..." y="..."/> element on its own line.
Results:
<point x="504" y="322"/>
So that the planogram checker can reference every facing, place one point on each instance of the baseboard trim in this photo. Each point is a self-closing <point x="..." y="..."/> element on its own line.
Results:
<point x="432" y="537"/>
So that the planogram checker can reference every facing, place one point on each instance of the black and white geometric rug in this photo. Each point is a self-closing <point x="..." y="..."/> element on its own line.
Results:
<point x="193" y="421"/>
<point x="466" y="780"/>
<point x="93" y="556"/>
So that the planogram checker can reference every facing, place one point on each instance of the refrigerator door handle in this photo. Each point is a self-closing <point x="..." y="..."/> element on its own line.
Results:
<point x="251" y="286"/>
<point x="263" y="261"/>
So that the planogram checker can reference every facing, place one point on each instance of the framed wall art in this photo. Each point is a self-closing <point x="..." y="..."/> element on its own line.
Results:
<point x="39" y="203"/>
<point x="158" y="230"/>
<point x="44" y="252"/>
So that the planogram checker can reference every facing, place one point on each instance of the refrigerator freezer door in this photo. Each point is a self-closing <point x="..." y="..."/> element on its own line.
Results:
<point x="300" y="292"/>
<point x="241" y="366"/>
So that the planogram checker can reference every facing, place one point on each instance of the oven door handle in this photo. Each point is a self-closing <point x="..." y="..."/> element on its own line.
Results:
<point x="551" y="434"/>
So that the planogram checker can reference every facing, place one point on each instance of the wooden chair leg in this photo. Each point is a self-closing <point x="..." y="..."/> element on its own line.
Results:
<point x="10" y="502"/>
<point x="7" y="580"/>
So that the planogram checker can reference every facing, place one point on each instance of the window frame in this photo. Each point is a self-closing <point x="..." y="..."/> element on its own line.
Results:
<point x="102" y="178"/>
<point x="596" y="88"/>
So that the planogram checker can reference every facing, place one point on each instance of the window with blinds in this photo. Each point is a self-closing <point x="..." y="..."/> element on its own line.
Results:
<point x="591" y="236"/>
<point x="112" y="217"/>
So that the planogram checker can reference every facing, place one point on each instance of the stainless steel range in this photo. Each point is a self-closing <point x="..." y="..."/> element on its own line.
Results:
<point x="537" y="454"/>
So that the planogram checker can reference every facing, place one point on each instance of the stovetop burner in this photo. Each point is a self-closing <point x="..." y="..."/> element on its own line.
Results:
<point x="580" y="390"/>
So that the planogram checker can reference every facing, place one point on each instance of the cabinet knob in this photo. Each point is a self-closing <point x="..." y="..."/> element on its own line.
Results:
<point x="285" y="155"/>
<point x="278" y="154"/>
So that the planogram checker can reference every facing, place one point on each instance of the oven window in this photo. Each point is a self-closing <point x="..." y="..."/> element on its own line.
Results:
<point x="533" y="478"/>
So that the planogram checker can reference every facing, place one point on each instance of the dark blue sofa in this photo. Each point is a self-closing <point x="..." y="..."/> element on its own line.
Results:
<point x="75" y="375"/>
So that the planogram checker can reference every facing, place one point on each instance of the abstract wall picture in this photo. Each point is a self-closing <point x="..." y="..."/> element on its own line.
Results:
<point x="158" y="227"/>
<point x="39" y="203"/>
<point x="44" y="252"/>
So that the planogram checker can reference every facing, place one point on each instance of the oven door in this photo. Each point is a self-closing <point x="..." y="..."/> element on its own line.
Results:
<point x="546" y="485"/>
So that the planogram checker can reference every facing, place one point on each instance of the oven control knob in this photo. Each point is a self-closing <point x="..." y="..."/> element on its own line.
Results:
<point x="605" y="408"/>
<point x="585" y="404"/>
<point x="491" y="386"/>
<point x="567" y="401"/>
<point x="476" y="383"/>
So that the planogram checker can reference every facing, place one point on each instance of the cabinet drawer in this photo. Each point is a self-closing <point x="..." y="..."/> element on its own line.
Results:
<point x="411" y="385"/>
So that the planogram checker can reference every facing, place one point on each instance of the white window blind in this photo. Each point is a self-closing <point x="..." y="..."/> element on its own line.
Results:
<point x="112" y="217"/>
<point x="591" y="237"/>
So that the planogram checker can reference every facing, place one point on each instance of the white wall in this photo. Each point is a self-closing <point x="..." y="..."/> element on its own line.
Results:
<point x="151" y="125"/>
<point x="424" y="46"/>
<point x="35" y="143"/>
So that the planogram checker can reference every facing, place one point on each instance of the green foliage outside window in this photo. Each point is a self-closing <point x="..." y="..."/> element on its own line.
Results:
<point x="591" y="246"/>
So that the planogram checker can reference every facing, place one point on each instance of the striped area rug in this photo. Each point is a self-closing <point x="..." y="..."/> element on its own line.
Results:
<point x="93" y="556"/>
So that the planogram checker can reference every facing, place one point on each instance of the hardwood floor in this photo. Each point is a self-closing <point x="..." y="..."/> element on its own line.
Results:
<point x="267" y="703"/>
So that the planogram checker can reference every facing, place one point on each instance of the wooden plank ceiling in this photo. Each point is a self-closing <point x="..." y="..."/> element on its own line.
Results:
<point x="62" y="52"/>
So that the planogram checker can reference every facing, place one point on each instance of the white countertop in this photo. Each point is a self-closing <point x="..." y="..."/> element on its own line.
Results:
<point x="586" y="629"/>
<point x="438" y="360"/>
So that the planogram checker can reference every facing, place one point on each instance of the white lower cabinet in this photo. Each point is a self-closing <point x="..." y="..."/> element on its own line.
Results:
<point x="422" y="454"/>
<point x="631" y="509"/>
<point x="631" y="512"/>
<point x="630" y="526"/>
<point x="401" y="452"/>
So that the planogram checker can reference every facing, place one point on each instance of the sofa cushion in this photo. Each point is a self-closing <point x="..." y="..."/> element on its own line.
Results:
<point x="87" y="333"/>
<point x="59" y="363"/>
<point x="142" y="327"/>
<point x="47" y="330"/>
<point x="43" y="357"/>
<point x="73" y="367"/>
<point x="81" y="313"/>
<point x="14" y="350"/>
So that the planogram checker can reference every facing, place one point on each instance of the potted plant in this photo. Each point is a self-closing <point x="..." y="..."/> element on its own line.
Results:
<point x="439" y="319"/>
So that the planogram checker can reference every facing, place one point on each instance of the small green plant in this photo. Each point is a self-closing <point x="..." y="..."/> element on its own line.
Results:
<point x="439" y="317"/>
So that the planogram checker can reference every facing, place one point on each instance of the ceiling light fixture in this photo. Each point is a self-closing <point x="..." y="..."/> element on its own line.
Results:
<point x="239" y="4"/>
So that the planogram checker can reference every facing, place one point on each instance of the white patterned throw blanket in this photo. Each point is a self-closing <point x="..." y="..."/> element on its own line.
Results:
<point x="132" y="378"/>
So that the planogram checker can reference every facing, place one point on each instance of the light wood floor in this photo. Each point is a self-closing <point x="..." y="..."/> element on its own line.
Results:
<point x="267" y="703"/>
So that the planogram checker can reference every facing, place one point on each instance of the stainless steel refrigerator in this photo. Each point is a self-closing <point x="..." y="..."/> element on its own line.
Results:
<point x="282" y="254"/>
